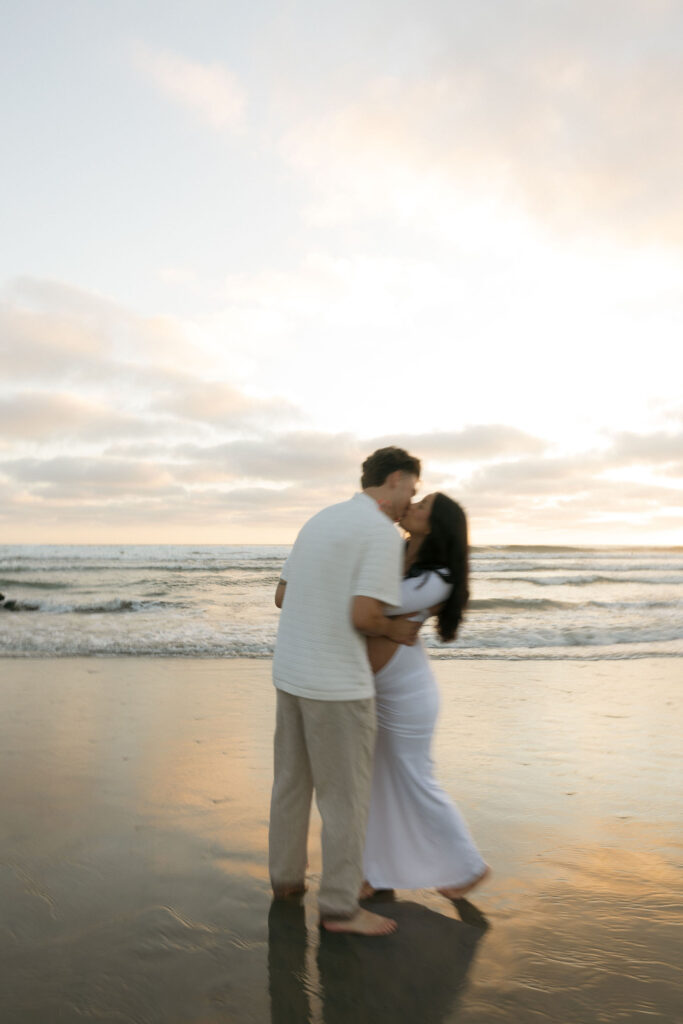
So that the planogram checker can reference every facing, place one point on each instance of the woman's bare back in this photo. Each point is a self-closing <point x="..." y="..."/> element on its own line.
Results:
<point x="381" y="649"/>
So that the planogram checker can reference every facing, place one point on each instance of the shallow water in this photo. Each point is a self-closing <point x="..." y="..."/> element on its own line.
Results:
<point x="132" y="861"/>
<point x="183" y="601"/>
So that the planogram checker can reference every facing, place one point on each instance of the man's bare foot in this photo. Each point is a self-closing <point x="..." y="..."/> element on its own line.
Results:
<point x="452" y="892"/>
<point x="362" y="923"/>
<point x="366" y="891"/>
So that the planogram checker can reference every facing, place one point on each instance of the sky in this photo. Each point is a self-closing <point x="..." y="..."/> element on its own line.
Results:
<point x="245" y="244"/>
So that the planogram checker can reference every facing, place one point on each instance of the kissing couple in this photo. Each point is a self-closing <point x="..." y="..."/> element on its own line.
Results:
<point x="357" y="700"/>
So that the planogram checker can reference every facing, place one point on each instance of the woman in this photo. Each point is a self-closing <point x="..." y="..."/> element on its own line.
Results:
<point x="416" y="836"/>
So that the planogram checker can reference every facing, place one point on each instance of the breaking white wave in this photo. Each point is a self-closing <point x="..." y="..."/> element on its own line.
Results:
<point x="187" y="601"/>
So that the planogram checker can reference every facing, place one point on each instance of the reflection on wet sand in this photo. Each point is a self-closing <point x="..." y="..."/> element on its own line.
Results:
<point x="133" y="878"/>
<point x="594" y="937"/>
<point x="415" y="975"/>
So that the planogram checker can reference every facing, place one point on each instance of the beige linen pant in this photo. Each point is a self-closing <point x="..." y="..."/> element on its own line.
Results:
<point x="326" y="746"/>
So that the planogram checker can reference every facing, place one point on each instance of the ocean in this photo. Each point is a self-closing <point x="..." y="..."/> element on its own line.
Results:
<point x="217" y="601"/>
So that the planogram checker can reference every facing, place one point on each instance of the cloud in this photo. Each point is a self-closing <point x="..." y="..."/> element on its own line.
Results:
<point x="35" y="345"/>
<point x="77" y="364"/>
<point x="654" y="448"/>
<point x="564" y="111"/>
<point x="209" y="90"/>
<point x="42" y="416"/>
<point x="275" y="482"/>
<point x="97" y="418"/>
<point x="50" y="330"/>
<point x="301" y="456"/>
<point x="541" y="476"/>
<point x="482" y="441"/>
<point x="74" y="478"/>
<point x="37" y="415"/>
<point x="222" y="405"/>
<point x="573" y="495"/>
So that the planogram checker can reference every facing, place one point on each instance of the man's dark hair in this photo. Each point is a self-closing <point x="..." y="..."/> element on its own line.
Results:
<point x="378" y="466"/>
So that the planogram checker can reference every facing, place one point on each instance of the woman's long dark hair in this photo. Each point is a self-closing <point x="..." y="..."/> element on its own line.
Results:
<point x="445" y="550"/>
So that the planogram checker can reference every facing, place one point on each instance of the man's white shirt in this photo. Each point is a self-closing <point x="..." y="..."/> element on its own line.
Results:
<point x="347" y="550"/>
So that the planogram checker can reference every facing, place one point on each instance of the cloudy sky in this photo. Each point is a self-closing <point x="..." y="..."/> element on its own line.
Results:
<point x="245" y="243"/>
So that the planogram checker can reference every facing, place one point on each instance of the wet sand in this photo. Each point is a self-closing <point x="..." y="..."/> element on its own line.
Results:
<point x="133" y="883"/>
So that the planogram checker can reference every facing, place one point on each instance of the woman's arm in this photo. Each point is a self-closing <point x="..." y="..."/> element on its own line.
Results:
<point x="417" y="595"/>
<point x="422" y="593"/>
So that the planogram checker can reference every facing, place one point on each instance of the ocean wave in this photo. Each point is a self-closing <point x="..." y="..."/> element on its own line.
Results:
<point x="14" y="605"/>
<point x="629" y="605"/>
<point x="517" y="603"/>
<point x="263" y="653"/>
<point x="555" y="655"/>
<point x="272" y="565"/>
<point x="170" y="602"/>
<point x="123" y="647"/>
<point x="603" y="550"/>
<point x="33" y="584"/>
<point x="114" y="606"/>
<point x="200" y="639"/>
<point x="579" y="635"/>
<point x="611" y="568"/>
<point x="501" y="549"/>
<point x="584" y="581"/>
<point x="536" y="604"/>
<point x="118" y="605"/>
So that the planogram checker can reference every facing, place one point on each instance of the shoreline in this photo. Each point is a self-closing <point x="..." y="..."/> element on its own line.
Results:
<point x="433" y="653"/>
<point x="134" y="881"/>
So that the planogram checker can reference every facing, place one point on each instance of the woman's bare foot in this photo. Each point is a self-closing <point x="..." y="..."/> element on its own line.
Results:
<point x="469" y="914"/>
<point x="452" y="892"/>
<point x="362" y="923"/>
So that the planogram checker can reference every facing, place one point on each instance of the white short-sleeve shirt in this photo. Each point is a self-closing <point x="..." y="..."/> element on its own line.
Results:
<point x="347" y="550"/>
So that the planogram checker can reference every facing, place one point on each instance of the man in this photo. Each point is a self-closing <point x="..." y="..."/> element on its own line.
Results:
<point x="346" y="564"/>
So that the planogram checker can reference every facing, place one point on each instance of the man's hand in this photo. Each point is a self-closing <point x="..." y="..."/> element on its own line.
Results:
<point x="368" y="617"/>
<point x="404" y="631"/>
<point x="280" y="593"/>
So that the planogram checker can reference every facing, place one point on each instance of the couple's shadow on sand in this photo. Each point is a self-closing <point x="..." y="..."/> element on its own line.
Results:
<point x="416" y="974"/>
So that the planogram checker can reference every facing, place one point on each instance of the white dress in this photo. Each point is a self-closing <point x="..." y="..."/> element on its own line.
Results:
<point x="416" y="837"/>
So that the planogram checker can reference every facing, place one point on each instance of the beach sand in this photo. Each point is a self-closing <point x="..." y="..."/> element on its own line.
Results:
<point x="133" y="882"/>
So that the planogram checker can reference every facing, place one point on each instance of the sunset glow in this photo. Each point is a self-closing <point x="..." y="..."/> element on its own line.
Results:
<point x="245" y="248"/>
